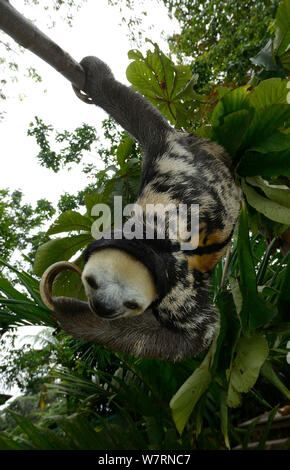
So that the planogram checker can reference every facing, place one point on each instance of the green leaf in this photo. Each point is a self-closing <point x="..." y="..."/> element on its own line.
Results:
<point x="205" y="132"/>
<point x="236" y="100"/>
<point x="231" y="133"/>
<point x="270" y="375"/>
<point x="30" y="283"/>
<point x="7" y="443"/>
<point x="234" y="398"/>
<point x="275" y="142"/>
<point x="260" y="312"/>
<point x="162" y="68"/>
<point x="251" y="354"/>
<point x="263" y="439"/>
<point x="229" y="333"/>
<point x="188" y="92"/>
<point x="224" y="417"/>
<point x="134" y="54"/>
<point x="143" y="80"/>
<point x="57" y="250"/>
<point x="269" y="92"/>
<point x="7" y="288"/>
<point x="270" y="209"/>
<point x="237" y="296"/>
<point x="267" y="165"/>
<point x="124" y="150"/>
<point x="265" y="58"/>
<point x="41" y="439"/>
<point x="69" y="221"/>
<point x="265" y="122"/>
<point x="92" y="199"/>
<point x="282" y="37"/>
<point x="245" y="257"/>
<point x="185" y="399"/>
<point x="277" y="193"/>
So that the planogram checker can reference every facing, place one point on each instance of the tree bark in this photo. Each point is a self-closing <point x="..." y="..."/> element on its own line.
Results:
<point x="30" y="37"/>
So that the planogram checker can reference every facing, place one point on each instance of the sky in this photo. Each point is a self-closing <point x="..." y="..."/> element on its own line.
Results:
<point x="96" y="31"/>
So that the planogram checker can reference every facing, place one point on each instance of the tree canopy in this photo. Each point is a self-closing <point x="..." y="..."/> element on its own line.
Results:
<point x="225" y="80"/>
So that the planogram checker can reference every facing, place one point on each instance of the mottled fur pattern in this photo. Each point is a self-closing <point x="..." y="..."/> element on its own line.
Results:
<point x="178" y="168"/>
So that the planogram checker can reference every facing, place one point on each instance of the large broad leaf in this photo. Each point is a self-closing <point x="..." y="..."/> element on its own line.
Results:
<point x="167" y="86"/>
<point x="265" y="122"/>
<point x="282" y="37"/>
<point x="143" y="80"/>
<point x="92" y="199"/>
<point x="59" y="249"/>
<point x="270" y="209"/>
<point x="268" y="92"/>
<point x="277" y="193"/>
<point x="265" y="164"/>
<point x="275" y="142"/>
<point x="269" y="99"/>
<point x="162" y="68"/>
<point x="69" y="221"/>
<point x="250" y="355"/>
<point x="231" y="133"/>
<point x="184" y="401"/>
<point x="236" y="100"/>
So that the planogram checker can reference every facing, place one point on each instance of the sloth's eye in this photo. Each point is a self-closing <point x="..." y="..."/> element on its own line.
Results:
<point x="91" y="281"/>
<point x="131" y="305"/>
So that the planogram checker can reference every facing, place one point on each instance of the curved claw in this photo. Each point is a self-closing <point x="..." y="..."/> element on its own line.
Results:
<point x="48" y="277"/>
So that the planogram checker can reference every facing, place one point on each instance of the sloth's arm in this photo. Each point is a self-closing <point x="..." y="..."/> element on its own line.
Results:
<point x="140" y="336"/>
<point x="130" y="109"/>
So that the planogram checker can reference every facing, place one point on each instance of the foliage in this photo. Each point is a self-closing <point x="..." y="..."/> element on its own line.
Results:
<point x="109" y="401"/>
<point x="18" y="221"/>
<point x="77" y="142"/>
<point x="221" y="37"/>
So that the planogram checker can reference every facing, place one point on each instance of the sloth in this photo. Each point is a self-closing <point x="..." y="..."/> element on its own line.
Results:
<point x="149" y="297"/>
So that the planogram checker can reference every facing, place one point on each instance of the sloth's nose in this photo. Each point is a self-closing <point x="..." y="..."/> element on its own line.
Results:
<point x="101" y="309"/>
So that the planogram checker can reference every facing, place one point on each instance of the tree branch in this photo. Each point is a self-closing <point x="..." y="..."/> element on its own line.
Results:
<point x="30" y="37"/>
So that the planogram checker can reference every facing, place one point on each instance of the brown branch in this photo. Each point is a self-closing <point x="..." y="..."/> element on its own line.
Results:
<point x="30" y="37"/>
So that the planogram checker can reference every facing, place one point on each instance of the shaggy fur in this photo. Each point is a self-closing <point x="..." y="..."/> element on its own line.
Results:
<point x="178" y="168"/>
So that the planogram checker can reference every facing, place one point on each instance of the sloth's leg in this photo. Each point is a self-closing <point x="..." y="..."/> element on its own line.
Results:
<point x="140" y="336"/>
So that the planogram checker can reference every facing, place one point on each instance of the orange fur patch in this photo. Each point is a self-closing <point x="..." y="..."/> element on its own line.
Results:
<point x="206" y="262"/>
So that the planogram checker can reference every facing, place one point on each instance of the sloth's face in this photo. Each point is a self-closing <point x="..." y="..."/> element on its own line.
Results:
<point x="117" y="284"/>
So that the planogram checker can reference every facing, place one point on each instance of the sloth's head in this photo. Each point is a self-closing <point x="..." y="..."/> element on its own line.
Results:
<point x="117" y="284"/>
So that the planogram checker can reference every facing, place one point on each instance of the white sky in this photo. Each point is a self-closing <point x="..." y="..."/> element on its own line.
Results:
<point x="95" y="31"/>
